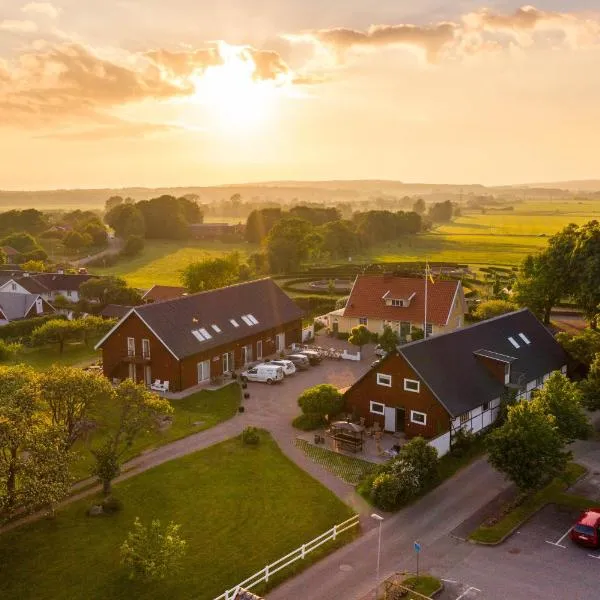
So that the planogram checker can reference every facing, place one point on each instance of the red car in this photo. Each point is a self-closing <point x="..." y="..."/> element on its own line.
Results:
<point x="587" y="529"/>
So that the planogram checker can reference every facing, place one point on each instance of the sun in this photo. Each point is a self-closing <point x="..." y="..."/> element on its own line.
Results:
<point x="232" y="94"/>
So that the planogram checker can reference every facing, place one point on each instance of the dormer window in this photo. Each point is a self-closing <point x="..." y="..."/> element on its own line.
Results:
<point x="397" y="302"/>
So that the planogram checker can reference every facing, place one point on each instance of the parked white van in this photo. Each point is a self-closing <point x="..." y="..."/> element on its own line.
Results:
<point x="265" y="373"/>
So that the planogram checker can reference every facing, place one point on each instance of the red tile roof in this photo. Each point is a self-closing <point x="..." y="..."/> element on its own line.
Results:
<point x="158" y="293"/>
<point x="366" y="299"/>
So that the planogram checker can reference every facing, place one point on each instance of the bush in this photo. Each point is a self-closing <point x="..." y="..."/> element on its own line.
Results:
<point x="416" y="334"/>
<point x="8" y="350"/>
<point x="250" y="436"/>
<point x="462" y="441"/>
<point x="385" y="491"/>
<point x="343" y="335"/>
<point x="133" y="246"/>
<point x="315" y="305"/>
<point x="323" y="399"/>
<point x="309" y="421"/>
<point x="21" y="330"/>
<point x="111" y="505"/>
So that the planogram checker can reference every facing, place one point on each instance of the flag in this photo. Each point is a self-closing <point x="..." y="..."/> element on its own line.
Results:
<point x="428" y="272"/>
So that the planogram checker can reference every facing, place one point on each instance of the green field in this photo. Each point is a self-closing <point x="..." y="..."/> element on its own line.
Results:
<point x="239" y="508"/>
<point x="162" y="261"/>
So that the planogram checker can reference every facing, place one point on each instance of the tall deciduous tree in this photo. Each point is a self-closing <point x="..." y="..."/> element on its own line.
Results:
<point x="582" y="347"/>
<point x="287" y="244"/>
<point x="493" y="308"/>
<point x="547" y="277"/>
<point x="109" y="290"/>
<point x="586" y="267"/>
<point x="74" y="398"/>
<point x="590" y="387"/>
<point x="528" y="448"/>
<point x="19" y="418"/>
<point x="359" y="336"/>
<point x="131" y="411"/>
<point x="561" y="398"/>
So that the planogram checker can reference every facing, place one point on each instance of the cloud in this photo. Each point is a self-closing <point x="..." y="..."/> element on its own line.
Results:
<point x="14" y="26"/>
<point x="268" y="65"/>
<point x="428" y="39"/>
<point x="42" y="8"/>
<point x="477" y="32"/>
<point x="185" y="63"/>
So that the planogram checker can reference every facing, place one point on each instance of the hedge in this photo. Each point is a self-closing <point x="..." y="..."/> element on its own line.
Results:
<point x="315" y="305"/>
<point x="18" y="330"/>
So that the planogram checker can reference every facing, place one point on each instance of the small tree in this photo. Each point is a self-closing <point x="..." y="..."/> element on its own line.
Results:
<point x="493" y="308"/>
<point x="56" y="331"/>
<point x="133" y="246"/>
<point x="590" y="387"/>
<point x="528" y="448"/>
<point x="131" y="411"/>
<point x="422" y="458"/>
<point x="34" y="266"/>
<point x="359" y="336"/>
<point x="389" y="339"/>
<point x="323" y="399"/>
<point x="153" y="552"/>
<point x="561" y="398"/>
<point x="8" y="350"/>
<point x="92" y="326"/>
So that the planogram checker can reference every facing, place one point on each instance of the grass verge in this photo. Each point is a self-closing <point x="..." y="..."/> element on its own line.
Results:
<point x="349" y="469"/>
<point x="424" y="585"/>
<point x="553" y="493"/>
<point x="239" y="508"/>
<point x="197" y="412"/>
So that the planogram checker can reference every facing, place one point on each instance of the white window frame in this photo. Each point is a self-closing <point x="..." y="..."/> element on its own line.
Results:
<point x="384" y="379"/>
<point x="465" y="418"/>
<point x="376" y="412"/>
<point x="421" y="414"/>
<point x="146" y="348"/>
<point x="259" y="350"/>
<point x="409" y="381"/>
<point x="203" y="366"/>
<point x="363" y="321"/>
<point x="398" y="303"/>
<point x="130" y="346"/>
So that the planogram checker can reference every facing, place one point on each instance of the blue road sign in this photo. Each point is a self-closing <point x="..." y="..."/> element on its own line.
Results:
<point x="417" y="547"/>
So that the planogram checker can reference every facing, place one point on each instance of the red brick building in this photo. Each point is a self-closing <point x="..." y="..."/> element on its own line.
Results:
<point x="189" y="340"/>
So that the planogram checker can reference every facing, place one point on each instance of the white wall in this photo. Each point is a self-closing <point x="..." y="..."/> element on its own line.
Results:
<point x="441" y="443"/>
<point x="8" y="287"/>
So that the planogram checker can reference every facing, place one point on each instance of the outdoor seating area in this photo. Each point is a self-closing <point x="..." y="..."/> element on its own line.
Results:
<point x="352" y="439"/>
<point x="157" y="386"/>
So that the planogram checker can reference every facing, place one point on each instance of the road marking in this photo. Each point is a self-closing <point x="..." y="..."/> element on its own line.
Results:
<point x="594" y="556"/>
<point x="558" y="543"/>
<point x="467" y="591"/>
<point x="449" y="581"/>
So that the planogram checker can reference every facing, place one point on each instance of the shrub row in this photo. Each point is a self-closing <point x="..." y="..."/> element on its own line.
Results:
<point x="21" y="330"/>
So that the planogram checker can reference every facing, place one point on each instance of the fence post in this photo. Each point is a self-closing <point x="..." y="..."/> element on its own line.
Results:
<point x="334" y="531"/>
<point x="303" y="551"/>
<point x="267" y="573"/>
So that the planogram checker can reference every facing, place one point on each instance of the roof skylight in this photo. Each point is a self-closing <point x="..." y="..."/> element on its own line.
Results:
<point x="205" y="333"/>
<point x="216" y="328"/>
<point x="253" y="319"/>
<point x="513" y="342"/>
<point x="525" y="338"/>
<point x="247" y="320"/>
<point x="234" y="322"/>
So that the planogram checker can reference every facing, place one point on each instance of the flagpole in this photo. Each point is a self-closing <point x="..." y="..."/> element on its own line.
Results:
<point x="425" y="316"/>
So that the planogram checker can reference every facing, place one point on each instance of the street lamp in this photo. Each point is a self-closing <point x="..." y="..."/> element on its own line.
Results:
<point x="378" y="518"/>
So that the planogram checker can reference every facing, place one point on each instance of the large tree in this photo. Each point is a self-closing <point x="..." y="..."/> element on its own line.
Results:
<point x="586" y="267"/>
<point x="339" y="239"/>
<point x="260" y="222"/>
<point x="528" y="448"/>
<point x="560" y="398"/>
<point x="131" y="411"/>
<point x="126" y="220"/>
<point x="548" y="276"/>
<point x="590" y="387"/>
<point x="212" y="273"/>
<point x="582" y="347"/>
<point x="287" y="244"/>
<point x="109" y="290"/>
<point x="20" y="417"/>
<point x="74" y="398"/>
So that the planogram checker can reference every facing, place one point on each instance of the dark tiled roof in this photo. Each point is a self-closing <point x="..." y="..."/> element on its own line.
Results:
<point x="16" y="306"/>
<point x="32" y="285"/>
<point x="61" y="281"/>
<point x="158" y="293"/>
<point x="366" y="298"/>
<point x="115" y="311"/>
<point x="174" y="320"/>
<point x="448" y="365"/>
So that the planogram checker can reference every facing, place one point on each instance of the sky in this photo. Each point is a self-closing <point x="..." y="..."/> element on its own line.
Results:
<point x="195" y="92"/>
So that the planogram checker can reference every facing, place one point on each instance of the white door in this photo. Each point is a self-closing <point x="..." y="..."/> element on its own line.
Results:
<point x="279" y="342"/>
<point x="226" y="363"/>
<point x="203" y="371"/>
<point x="132" y="371"/>
<point x="390" y="419"/>
<point x="259" y="350"/>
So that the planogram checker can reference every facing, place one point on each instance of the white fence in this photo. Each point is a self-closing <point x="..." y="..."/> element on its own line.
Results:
<point x="441" y="443"/>
<point x="290" y="558"/>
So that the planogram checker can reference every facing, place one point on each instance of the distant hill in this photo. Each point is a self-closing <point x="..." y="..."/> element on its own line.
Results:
<point x="294" y="191"/>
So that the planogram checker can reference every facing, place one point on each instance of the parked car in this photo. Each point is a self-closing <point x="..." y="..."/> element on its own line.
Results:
<point x="379" y="351"/>
<point x="289" y="368"/>
<point x="264" y="373"/>
<point x="587" y="529"/>
<point x="314" y="358"/>
<point x="300" y="361"/>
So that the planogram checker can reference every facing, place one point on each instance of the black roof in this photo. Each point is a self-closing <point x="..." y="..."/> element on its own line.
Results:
<point x="173" y="321"/>
<point x="449" y="366"/>
<point x="61" y="281"/>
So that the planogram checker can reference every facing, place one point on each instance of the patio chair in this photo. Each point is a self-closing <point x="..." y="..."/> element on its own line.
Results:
<point x="165" y="386"/>
<point x="157" y="386"/>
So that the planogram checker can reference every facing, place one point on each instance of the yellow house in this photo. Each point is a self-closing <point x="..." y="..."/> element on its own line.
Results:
<point x="399" y="302"/>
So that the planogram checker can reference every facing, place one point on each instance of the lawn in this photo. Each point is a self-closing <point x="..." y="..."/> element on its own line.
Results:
<point x="195" y="413"/>
<point x="349" y="469"/>
<point x="162" y="261"/>
<point x="553" y="493"/>
<point x="239" y="508"/>
<point x="75" y="354"/>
